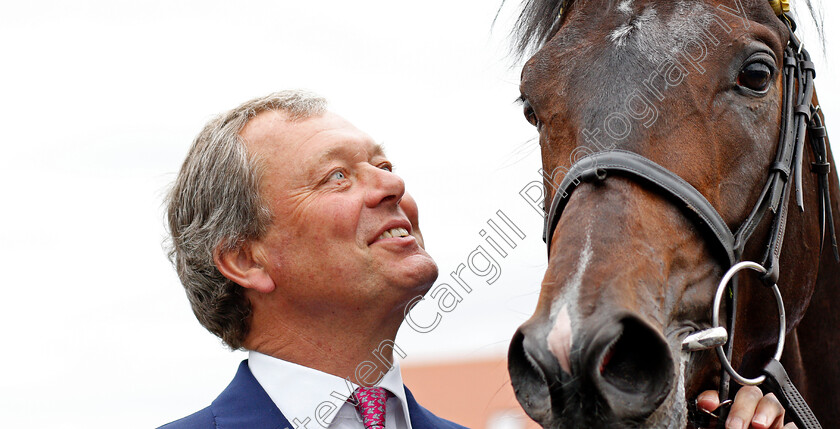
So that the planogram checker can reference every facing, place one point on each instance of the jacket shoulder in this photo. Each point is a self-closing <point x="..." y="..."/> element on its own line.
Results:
<point x="202" y="419"/>
<point x="242" y="405"/>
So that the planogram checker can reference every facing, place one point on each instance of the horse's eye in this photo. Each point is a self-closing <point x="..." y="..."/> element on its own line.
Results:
<point x="530" y="116"/>
<point x="755" y="76"/>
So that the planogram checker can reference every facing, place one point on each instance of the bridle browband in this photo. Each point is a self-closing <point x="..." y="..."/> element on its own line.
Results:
<point x="799" y="116"/>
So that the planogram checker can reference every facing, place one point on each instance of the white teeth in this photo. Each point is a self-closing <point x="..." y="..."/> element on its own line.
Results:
<point x="394" y="232"/>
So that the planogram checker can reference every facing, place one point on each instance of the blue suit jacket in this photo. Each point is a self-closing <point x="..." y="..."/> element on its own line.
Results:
<point x="244" y="404"/>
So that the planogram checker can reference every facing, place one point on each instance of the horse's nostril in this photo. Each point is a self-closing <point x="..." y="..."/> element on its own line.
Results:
<point x="607" y="358"/>
<point x="624" y="366"/>
<point x="528" y="379"/>
<point x="635" y="371"/>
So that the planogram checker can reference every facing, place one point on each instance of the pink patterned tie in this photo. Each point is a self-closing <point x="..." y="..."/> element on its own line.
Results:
<point x="371" y="405"/>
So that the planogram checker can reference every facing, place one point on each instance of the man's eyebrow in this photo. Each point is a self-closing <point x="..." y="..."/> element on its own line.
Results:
<point x="378" y="149"/>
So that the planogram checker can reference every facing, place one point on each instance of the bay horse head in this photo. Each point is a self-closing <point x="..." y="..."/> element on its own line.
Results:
<point x="663" y="128"/>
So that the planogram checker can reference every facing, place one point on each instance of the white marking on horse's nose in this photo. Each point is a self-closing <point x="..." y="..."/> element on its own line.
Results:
<point x="560" y="339"/>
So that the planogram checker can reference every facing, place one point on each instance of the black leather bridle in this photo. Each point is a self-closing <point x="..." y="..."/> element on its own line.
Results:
<point x="799" y="117"/>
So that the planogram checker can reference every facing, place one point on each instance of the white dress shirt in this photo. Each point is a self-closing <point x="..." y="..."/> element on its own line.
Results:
<point x="314" y="399"/>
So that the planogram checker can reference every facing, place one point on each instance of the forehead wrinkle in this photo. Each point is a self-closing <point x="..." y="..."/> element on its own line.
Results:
<point x="340" y="151"/>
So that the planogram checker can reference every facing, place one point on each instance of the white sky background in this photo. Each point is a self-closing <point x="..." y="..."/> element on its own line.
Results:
<point x="99" y="102"/>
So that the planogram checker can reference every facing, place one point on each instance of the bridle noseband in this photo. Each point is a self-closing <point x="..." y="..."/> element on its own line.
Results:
<point x="799" y="117"/>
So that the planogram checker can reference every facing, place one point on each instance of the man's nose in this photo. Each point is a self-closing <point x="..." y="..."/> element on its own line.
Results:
<point x="383" y="186"/>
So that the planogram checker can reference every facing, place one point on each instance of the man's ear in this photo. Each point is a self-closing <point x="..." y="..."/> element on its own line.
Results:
<point x="243" y="266"/>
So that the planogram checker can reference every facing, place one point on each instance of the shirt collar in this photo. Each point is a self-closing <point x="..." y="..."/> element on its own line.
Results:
<point x="299" y="391"/>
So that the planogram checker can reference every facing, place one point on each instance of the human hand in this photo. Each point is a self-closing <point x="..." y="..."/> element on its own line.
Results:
<point x="750" y="410"/>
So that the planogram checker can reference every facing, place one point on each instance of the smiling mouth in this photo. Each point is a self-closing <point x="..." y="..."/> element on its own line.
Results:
<point x="394" y="232"/>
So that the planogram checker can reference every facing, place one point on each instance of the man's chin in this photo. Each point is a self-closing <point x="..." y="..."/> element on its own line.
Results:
<point x="418" y="276"/>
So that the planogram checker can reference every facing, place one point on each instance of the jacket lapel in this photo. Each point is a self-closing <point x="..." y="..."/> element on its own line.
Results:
<point x="244" y="404"/>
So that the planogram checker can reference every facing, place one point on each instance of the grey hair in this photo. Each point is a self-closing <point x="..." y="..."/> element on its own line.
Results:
<point x="215" y="204"/>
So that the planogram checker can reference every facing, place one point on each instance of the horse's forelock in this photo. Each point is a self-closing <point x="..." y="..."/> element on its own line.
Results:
<point x="536" y="24"/>
<point x="818" y="19"/>
<point x="539" y="21"/>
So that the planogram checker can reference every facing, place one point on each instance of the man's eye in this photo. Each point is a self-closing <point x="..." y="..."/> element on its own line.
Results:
<point x="337" y="175"/>
<point x="387" y="166"/>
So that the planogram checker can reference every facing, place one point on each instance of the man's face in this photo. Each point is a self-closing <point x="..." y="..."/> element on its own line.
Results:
<point x="344" y="231"/>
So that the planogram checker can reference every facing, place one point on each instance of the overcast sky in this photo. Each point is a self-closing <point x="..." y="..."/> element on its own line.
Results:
<point x="99" y="102"/>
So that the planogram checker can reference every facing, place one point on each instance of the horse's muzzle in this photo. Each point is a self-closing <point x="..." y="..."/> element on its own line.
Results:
<point x="621" y="372"/>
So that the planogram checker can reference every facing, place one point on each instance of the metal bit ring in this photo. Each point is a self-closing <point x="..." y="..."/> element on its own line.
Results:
<point x="724" y="282"/>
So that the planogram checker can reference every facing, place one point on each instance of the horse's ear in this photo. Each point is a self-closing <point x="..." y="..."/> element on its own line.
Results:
<point x="780" y="6"/>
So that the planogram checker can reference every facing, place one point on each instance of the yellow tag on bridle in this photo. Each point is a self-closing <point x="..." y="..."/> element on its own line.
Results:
<point x="780" y="6"/>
